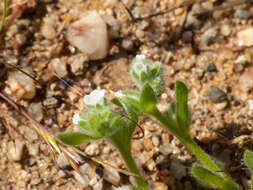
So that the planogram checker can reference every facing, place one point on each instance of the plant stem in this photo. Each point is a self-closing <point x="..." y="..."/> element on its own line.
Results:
<point x="127" y="156"/>
<point x="192" y="146"/>
<point x="4" y="15"/>
<point x="125" y="151"/>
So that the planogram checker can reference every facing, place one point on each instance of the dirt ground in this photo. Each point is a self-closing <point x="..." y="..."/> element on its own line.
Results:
<point x="201" y="44"/>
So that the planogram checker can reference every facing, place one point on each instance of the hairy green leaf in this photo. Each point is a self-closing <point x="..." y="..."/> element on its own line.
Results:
<point x="74" y="138"/>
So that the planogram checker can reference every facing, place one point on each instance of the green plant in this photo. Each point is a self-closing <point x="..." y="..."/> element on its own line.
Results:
<point x="176" y="119"/>
<point x="248" y="159"/>
<point x="100" y="121"/>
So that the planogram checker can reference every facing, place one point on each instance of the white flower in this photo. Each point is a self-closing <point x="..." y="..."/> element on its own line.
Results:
<point x="119" y="94"/>
<point x="76" y="118"/>
<point x="95" y="97"/>
<point x="140" y="57"/>
<point x="139" y="67"/>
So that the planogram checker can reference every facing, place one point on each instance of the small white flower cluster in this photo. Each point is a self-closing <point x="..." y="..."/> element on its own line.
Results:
<point x="94" y="98"/>
<point x="139" y="64"/>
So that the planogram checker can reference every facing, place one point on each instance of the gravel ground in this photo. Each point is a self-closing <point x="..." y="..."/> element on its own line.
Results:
<point x="210" y="50"/>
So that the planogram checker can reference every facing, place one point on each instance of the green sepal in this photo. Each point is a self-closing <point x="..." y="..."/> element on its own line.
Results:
<point x="74" y="138"/>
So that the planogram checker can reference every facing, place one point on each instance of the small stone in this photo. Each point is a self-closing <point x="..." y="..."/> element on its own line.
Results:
<point x="84" y="180"/>
<point x="35" y="109"/>
<point x="245" y="37"/>
<point x="246" y="80"/>
<point x="48" y="28"/>
<point x="177" y="169"/>
<point x="33" y="149"/>
<point x="15" y="151"/>
<point x="50" y="102"/>
<point x="238" y="68"/>
<point x="179" y="64"/>
<point x="127" y="44"/>
<point x="62" y="161"/>
<point x="155" y="141"/>
<point x="90" y="36"/>
<point x="160" y="186"/>
<point x="112" y="176"/>
<point x="211" y="68"/>
<point x="92" y="149"/>
<point x="225" y="30"/>
<point x="220" y="106"/>
<point x="166" y="149"/>
<point x="216" y="95"/>
<point x="209" y="36"/>
<point x="30" y="134"/>
<point x="113" y="26"/>
<point x="98" y="185"/>
<point x="187" y="36"/>
<point x="61" y="174"/>
<point x="139" y="33"/>
<point x="77" y="64"/>
<point x="242" y="14"/>
<point x="59" y="67"/>
<point x="20" y="86"/>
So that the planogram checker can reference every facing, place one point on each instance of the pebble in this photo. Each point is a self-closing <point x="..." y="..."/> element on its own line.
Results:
<point x="77" y="64"/>
<point x="220" y="106"/>
<point x="15" y="151"/>
<point x="166" y="149"/>
<point x="211" y="68"/>
<point x="225" y="30"/>
<point x="216" y="95"/>
<point x="112" y="176"/>
<point x="35" y="110"/>
<point x="177" y="169"/>
<point x="59" y="67"/>
<point x="242" y="14"/>
<point x="209" y="36"/>
<point x="20" y="85"/>
<point x="84" y="180"/>
<point x="98" y="185"/>
<point x="48" y="28"/>
<point x="187" y="36"/>
<point x="30" y="134"/>
<point x="155" y="141"/>
<point x="245" y="37"/>
<point x="90" y="36"/>
<point x="127" y="44"/>
<point x="246" y="80"/>
<point x="238" y="67"/>
<point x="139" y="33"/>
<point x="62" y="161"/>
<point x="33" y="149"/>
<point x="160" y="186"/>
<point x="92" y="149"/>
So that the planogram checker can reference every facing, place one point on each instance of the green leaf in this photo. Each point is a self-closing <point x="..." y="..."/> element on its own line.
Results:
<point x="147" y="99"/>
<point x="211" y="179"/>
<point x="74" y="138"/>
<point x="248" y="159"/>
<point x="183" y="115"/>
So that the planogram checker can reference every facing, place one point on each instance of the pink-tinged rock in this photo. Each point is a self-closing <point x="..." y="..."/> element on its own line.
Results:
<point x="245" y="37"/>
<point x="246" y="80"/>
<point x="90" y="36"/>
